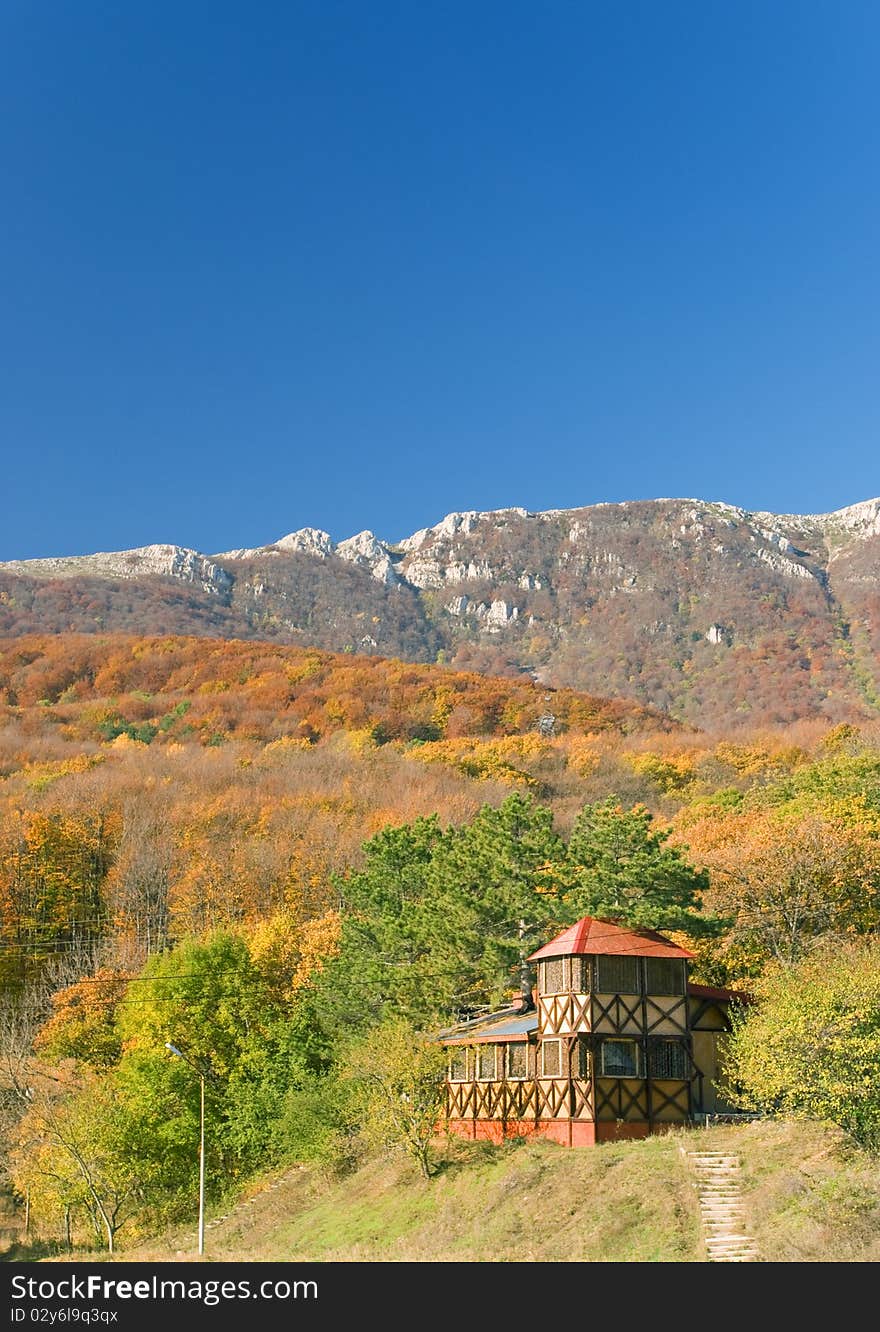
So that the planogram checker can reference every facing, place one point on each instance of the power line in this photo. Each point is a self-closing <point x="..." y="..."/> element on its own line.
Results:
<point x="139" y="980"/>
<point x="177" y="998"/>
<point x="56" y="945"/>
<point x="60" y="927"/>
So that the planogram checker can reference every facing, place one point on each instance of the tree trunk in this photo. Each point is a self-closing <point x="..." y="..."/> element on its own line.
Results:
<point x="423" y="1159"/>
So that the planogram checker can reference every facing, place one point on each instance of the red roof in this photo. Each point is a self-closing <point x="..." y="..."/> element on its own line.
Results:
<point x="591" y="935"/>
<point x="714" y="992"/>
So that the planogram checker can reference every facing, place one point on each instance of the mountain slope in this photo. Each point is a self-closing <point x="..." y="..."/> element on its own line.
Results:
<point x="88" y="685"/>
<point x="810" y="1196"/>
<point x="715" y="614"/>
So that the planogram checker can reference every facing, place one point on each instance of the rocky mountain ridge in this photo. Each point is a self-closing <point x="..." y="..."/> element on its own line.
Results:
<point x="706" y="609"/>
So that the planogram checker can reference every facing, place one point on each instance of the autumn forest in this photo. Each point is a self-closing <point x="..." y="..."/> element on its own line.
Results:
<point x="277" y="848"/>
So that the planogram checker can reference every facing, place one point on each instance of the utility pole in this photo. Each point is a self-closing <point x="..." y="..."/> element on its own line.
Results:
<point x="202" y="1165"/>
<point x="174" y="1050"/>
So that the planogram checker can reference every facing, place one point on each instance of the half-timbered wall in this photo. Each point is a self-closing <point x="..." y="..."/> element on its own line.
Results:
<point x="556" y="1085"/>
<point x="641" y="1033"/>
<point x="564" y="995"/>
<point x="613" y="1044"/>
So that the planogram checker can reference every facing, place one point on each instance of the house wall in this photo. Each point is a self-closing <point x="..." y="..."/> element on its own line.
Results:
<point x="708" y="1042"/>
<point x="578" y="1111"/>
<point x="567" y="1132"/>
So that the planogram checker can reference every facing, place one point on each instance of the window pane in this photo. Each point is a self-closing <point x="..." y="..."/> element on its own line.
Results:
<point x="580" y="974"/>
<point x="516" y="1060"/>
<point x="664" y="975"/>
<point x="552" y="1059"/>
<point x="620" y="1059"/>
<point x="669" y="1060"/>
<point x="458" y="1065"/>
<point x="618" y="975"/>
<point x="554" y="979"/>
<point x="583" y="1060"/>
<point x="486" y="1057"/>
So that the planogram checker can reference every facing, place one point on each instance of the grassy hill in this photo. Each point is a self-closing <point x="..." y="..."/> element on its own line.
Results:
<point x="810" y="1197"/>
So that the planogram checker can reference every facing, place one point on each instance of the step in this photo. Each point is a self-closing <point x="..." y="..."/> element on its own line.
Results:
<point x="722" y="1210"/>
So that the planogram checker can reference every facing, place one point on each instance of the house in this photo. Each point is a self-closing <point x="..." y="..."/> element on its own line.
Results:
<point x="620" y="1044"/>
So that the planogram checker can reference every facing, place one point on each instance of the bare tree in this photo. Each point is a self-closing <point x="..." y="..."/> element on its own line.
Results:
<point x="139" y="882"/>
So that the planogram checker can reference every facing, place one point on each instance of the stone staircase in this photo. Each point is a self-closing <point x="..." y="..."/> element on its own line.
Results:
<point x="240" y="1208"/>
<point x="722" y="1211"/>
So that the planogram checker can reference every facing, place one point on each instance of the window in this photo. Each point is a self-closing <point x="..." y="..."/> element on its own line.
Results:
<point x="458" y="1065"/>
<point x="583" y="1058"/>
<point x="618" y="975"/>
<point x="551" y="1059"/>
<point x="486" y="1063"/>
<point x="664" y="975"/>
<point x="554" y="976"/>
<point x="621" y="1059"/>
<point x="580" y="974"/>
<point x="517" y="1066"/>
<point x="668" y="1059"/>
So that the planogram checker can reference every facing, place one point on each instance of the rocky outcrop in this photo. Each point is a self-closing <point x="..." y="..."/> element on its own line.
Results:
<point x="459" y="524"/>
<point x="701" y="607"/>
<point x="365" y="551"/>
<point x="309" y="540"/>
<point x="187" y="566"/>
<point x="863" y="519"/>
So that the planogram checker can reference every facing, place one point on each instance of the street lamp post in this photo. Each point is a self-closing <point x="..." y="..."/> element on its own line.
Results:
<point x="174" y="1050"/>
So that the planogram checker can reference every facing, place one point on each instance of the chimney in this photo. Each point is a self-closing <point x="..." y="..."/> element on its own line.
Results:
<point x="525" y="1002"/>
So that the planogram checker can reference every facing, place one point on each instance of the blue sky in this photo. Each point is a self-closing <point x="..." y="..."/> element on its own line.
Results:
<point x="355" y="265"/>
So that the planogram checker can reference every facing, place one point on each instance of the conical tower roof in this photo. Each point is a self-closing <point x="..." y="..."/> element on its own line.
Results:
<point x="592" y="935"/>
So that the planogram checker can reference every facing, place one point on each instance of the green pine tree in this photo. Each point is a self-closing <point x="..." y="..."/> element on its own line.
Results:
<point x="620" y="867"/>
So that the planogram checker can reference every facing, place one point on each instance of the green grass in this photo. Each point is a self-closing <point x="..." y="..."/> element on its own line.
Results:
<point x="521" y="1202"/>
<point x="810" y="1196"/>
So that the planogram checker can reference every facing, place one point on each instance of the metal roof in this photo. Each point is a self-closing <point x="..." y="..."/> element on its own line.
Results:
<point x="590" y="936"/>
<point x="505" y="1026"/>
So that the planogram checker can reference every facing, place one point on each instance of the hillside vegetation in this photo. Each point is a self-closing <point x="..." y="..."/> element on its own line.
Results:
<point x="719" y="616"/>
<point x="150" y="788"/>
<point x="303" y="861"/>
<point x="98" y="688"/>
<point x="810" y="1196"/>
<point x="153" y="788"/>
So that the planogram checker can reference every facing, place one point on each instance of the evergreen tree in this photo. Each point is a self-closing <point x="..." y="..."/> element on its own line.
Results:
<point x="620" y="867"/>
<point x="382" y="966"/>
<point x="495" y="898"/>
<point x="437" y="918"/>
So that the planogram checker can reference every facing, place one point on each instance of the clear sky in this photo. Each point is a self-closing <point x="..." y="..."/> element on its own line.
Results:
<point x="353" y="263"/>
